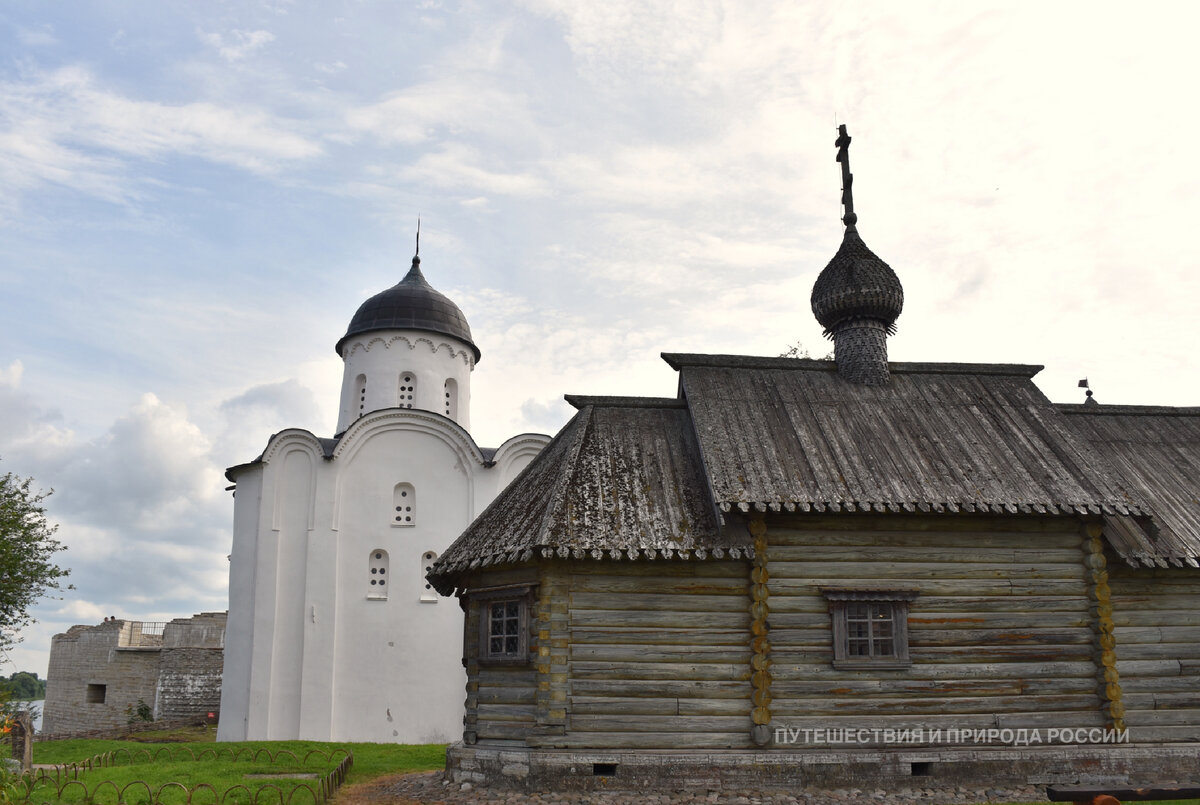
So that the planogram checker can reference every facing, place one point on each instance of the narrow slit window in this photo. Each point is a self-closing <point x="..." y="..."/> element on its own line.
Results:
<point x="428" y="594"/>
<point x="451" y="399"/>
<point x="360" y="394"/>
<point x="404" y="505"/>
<point x="408" y="389"/>
<point x="378" y="579"/>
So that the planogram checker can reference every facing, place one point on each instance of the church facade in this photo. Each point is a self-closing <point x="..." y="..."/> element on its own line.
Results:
<point x="334" y="633"/>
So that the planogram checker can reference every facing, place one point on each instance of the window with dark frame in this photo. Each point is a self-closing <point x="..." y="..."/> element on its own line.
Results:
<point x="504" y="625"/>
<point x="504" y="629"/>
<point x="870" y="627"/>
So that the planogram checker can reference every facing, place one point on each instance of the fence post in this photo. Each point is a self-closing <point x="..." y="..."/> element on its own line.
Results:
<point x="22" y="740"/>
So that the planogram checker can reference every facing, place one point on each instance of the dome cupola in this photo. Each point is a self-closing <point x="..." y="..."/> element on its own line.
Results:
<point x="411" y="304"/>
<point x="857" y="298"/>
<point x="407" y="347"/>
<point x="856" y="285"/>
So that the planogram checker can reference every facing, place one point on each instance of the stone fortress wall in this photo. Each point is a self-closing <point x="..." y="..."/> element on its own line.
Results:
<point x="100" y="675"/>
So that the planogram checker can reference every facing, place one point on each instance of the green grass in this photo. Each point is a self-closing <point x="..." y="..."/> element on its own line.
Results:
<point x="143" y="768"/>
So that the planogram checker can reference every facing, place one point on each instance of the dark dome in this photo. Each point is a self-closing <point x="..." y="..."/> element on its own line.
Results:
<point x="411" y="304"/>
<point x="856" y="285"/>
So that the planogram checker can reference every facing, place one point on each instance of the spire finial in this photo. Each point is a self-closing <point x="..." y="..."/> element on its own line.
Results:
<point x="843" y="156"/>
<point x="417" y="255"/>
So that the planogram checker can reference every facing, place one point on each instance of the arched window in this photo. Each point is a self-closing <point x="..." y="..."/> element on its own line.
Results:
<point x="377" y="578"/>
<point x="452" y="399"/>
<point x="408" y="388"/>
<point x="404" y="505"/>
<point x="428" y="595"/>
<point x="360" y="394"/>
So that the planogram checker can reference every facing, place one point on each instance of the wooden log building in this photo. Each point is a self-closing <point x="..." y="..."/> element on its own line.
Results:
<point x="843" y="572"/>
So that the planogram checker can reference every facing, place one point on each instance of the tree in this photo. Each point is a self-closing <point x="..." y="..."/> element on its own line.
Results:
<point x="24" y="686"/>
<point x="27" y="548"/>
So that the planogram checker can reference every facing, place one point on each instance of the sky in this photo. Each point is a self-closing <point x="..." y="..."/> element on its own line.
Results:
<point x="196" y="197"/>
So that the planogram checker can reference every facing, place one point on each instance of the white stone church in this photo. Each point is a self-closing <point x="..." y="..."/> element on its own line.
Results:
<point x="333" y="632"/>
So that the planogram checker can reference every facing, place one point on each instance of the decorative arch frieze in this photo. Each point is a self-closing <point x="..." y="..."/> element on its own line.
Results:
<point x="367" y="344"/>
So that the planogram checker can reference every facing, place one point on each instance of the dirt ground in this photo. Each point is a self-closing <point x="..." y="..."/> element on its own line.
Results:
<point x="428" y="788"/>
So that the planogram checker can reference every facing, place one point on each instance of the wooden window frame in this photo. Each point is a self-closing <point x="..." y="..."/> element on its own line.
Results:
<point x="522" y="595"/>
<point x="839" y="600"/>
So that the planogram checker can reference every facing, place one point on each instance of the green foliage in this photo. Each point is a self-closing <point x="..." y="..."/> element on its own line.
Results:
<point x="23" y="686"/>
<point x="27" y="547"/>
<point x="169" y="774"/>
<point x="8" y="787"/>
<point x="139" y="712"/>
<point x="370" y="760"/>
<point x="798" y="350"/>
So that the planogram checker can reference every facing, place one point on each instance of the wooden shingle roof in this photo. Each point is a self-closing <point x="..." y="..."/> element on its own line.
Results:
<point x="622" y="479"/>
<point x="644" y="477"/>
<point x="1155" y="452"/>
<point x="794" y="435"/>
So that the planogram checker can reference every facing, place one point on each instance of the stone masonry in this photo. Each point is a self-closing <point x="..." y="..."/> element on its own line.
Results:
<point x="100" y="675"/>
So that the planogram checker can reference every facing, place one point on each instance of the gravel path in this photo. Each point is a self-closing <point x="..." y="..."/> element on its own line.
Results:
<point x="427" y="788"/>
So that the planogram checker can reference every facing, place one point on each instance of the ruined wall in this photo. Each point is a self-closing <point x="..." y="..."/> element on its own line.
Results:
<point x="99" y="675"/>
<point x="189" y="680"/>
<point x="92" y="680"/>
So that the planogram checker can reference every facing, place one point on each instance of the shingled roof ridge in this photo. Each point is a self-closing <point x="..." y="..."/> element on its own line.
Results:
<point x="679" y="360"/>
<point x="585" y="400"/>
<point x="1128" y="410"/>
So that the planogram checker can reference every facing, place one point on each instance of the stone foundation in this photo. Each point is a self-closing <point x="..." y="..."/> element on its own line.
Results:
<point x="523" y="769"/>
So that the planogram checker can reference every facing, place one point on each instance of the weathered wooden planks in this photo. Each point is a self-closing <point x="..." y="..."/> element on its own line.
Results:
<point x="1000" y="628"/>
<point x="655" y="651"/>
<point x="644" y="655"/>
<point x="1157" y="618"/>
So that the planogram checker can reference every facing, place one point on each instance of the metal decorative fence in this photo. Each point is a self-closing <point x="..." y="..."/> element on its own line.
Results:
<point x="69" y="784"/>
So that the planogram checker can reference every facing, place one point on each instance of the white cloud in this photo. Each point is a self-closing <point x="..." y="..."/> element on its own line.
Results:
<point x="330" y="68"/>
<point x="60" y="128"/>
<point x="238" y="44"/>
<point x="453" y="105"/>
<point x="249" y="418"/>
<point x="627" y="43"/>
<point x="467" y="169"/>
<point x="37" y="37"/>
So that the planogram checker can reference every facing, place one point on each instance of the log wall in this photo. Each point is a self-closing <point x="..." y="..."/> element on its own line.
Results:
<point x="999" y="635"/>
<point x="501" y="703"/>
<point x="659" y="654"/>
<point x="1156" y="614"/>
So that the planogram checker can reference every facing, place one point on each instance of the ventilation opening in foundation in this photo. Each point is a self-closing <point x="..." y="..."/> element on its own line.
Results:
<point x="604" y="769"/>
<point x="921" y="769"/>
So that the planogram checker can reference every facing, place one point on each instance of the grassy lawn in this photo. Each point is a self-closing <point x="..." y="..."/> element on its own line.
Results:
<point x="141" y="771"/>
